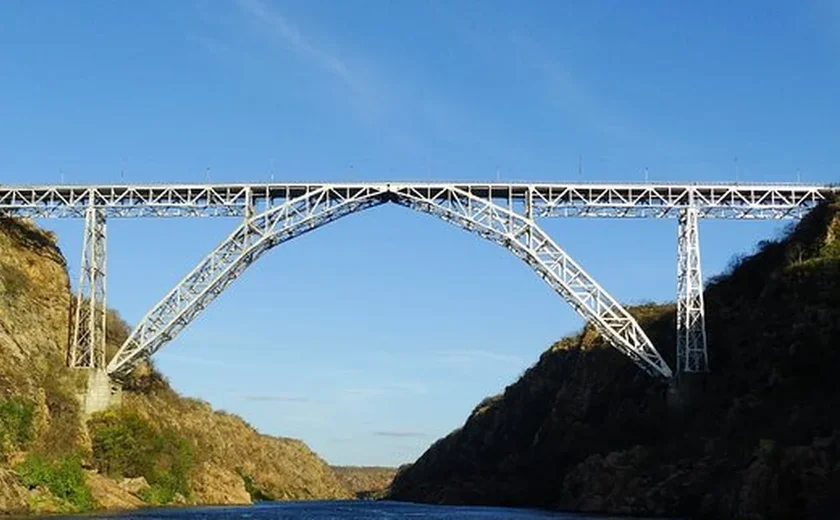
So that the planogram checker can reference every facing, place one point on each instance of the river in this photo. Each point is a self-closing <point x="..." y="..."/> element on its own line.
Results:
<point x="340" y="510"/>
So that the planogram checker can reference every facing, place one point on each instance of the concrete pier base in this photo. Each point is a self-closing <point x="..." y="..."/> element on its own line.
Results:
<point x="101" y="393"/>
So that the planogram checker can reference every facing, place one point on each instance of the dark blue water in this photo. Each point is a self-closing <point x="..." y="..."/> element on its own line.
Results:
<point x="359" y="510"/>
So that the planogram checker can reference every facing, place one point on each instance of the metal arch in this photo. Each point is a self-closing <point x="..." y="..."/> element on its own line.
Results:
<point x="306" y="211"/>
<point x="692" y="356"/>
<point x="87" y="347"/>
<point x="525" y="239"/>
<point x="320" y="205"/>
<point x="255" y="236"/>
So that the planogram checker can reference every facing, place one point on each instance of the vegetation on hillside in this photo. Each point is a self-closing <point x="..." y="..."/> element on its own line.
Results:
<point x="173" y="448"/>
<point x="759" y="437"/>
<point x="366" y="482"/>
<point x="17" y="417"/>
<point x="63" y="476"/>
<point x="126" y="445"/>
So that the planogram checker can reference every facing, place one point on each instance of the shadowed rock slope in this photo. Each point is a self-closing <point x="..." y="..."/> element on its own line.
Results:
<point x="51" y="459"/>
<point x="584" y="429"/>
<point x="366" y="482"/>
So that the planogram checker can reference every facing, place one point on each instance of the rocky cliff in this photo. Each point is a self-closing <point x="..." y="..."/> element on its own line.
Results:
<point x="52" y="459"/>
<point x="759" y="437"/>
<point x="366" y="482"/>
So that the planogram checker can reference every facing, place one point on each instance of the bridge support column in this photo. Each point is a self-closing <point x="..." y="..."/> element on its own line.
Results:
<point x="691" y="319"/>
<point x="87" y="347"/>
<point x="101" y="392"/>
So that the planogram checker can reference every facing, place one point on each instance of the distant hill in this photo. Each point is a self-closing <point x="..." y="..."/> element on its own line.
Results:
<point x="366" y="482"/>
<point x="159" y="448"/>
<point x="759" y="437"/>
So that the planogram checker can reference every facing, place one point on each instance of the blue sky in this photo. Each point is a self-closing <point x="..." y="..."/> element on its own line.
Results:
<point x="372" y="337"/>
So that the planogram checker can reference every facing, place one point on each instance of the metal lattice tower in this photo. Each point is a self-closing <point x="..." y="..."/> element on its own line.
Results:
<point x="87" y="348"/>
<point x="692" y="356"/>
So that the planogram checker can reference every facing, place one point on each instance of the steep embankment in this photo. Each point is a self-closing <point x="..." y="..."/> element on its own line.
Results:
<point x="366" y="482"/>
<point x="270" y="467"/>
<point x="159" y="448"/>
<point x="758" y="438"/>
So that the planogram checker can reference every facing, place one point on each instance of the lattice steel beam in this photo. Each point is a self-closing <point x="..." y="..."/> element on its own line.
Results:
<point x="610" y="200"/>
<point x="321" y="205"/>
<point x="525" y="239"/>
<point x="223" y="265"/>
<point x="87" y="347"/>
<point x="692" y="356"/>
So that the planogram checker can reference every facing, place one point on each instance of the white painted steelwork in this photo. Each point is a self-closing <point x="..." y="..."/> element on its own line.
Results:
<point x="692" y="356"/>
<point x="223" y="265"/>
<point x="501" y="212"/>
<point x="737" y="201"/>
<point x="87" y="348"/>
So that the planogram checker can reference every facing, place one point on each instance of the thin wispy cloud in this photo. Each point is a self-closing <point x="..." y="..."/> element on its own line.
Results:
<point x="400" y="434"/>
<point x="192" y="360"/>
<point x="574" y="97"/>
<point x="476" y="356"/>
<point x="213" y="46"/>
<point x="361" y="392"/>
<point x="268" y="398"/>
<point x="392" y="105"/>
<point x="569" y="93"/>
<point x="832" y="15"/>
<point x="305" y="418"/>
<point x="386" y="388"/>
<point x="283" y="28"/>
<point x="267" y="19"/>
<point x="411" y="387"/>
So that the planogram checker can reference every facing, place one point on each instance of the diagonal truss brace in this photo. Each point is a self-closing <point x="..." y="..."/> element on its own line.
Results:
<point x="692" y="356"/>
<point x="255" y="236"/>
<point x="87" y="347"/>
<point x="525" y="239"/>
<point x="591" y="200"/>
<point x="323" y="204"/>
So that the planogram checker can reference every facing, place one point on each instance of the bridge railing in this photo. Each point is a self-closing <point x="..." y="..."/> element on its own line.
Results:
<point x="606" y="200"/>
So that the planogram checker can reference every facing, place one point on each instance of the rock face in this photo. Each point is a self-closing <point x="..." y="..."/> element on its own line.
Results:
<point x="113" y="495"/>
<point x="215" y="485"/>
<point x="13" y="496"/>
<point x="584" y="429"/>
<point x="283" y="469"/>
<point x="366" y="482"/>
<point x="34" y="320"/>
<point x="35" y="303"/>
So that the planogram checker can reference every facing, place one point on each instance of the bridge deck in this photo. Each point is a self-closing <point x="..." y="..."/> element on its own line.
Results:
<point x="658" y="200"/>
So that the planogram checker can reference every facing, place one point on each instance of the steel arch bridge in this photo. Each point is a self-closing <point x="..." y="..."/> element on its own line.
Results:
<point x="506" y="214"/>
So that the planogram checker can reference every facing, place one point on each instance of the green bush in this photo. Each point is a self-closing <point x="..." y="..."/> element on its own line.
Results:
<point x="62" y="476"/>
<point x="126" y="445"/>
<point x="16" y="420"/>
<point x="158" y="494"/>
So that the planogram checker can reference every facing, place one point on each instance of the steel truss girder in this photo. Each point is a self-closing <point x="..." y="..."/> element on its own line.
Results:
<point x="87" y="347"/>
<point x="223" y="265"/>
<point x="526" y="240"/>
<point x="321" y="205"/>
<point x="692" y="356"/>
<point x="598" y="200"/>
